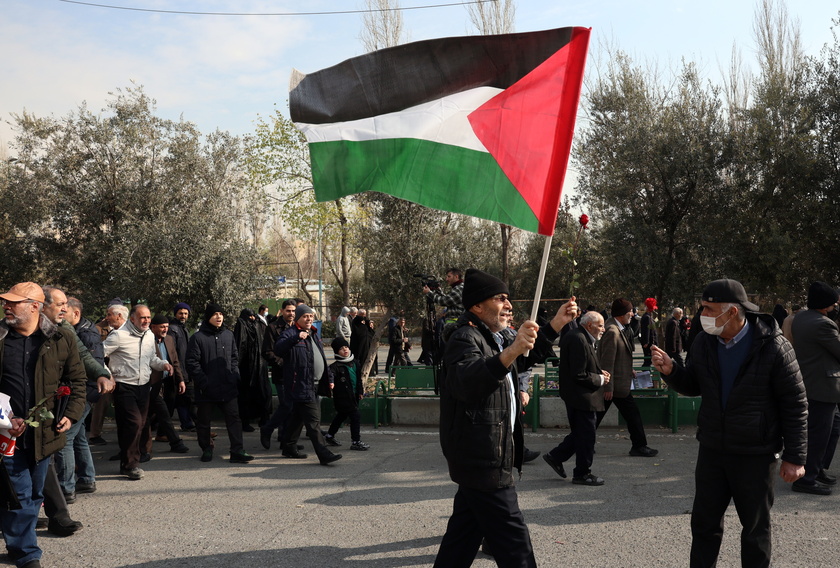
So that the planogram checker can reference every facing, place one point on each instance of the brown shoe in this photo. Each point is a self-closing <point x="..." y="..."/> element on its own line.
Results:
<point x="161" y="438"/>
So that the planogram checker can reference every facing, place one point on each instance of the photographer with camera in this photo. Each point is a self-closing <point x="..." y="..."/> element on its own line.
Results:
<point x="453" y="301"/>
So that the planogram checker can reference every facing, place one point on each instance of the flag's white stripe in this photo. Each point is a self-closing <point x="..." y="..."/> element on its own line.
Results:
<point x="443" y="121"/>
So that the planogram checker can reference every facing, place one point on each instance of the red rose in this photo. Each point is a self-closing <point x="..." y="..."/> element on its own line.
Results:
<point x="584" y="220"/>
<point x="62" y="392"/>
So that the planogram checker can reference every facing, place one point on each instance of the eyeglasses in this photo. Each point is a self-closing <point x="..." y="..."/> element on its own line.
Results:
<point x="12" y="303"/>
<point x="501" y="298"/>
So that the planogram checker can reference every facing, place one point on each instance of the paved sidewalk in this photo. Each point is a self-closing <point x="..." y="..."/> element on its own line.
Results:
<point x="387" y="508"/>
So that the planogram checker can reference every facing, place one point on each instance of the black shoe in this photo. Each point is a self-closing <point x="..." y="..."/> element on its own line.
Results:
<point x="555" y="465"/>
<point x="34" y="563"/>
<point x="299" y="446"/>
<point x="144" y="457"/>
<point x="70" y="498"/>
<point x="331" y="441"/>
<point x="643" y="452"/>
<point x="207" y="455"/>
<point x="588" y="479"/>
<point x="115" y="457"/>
<point x="63" y="529"/>
<point x="85" y="487"/>
<point x="812" y="488"/>
<point x="265" y="439"/>
<point x="825" y="479"/>
<point x="530" y="455"/>
<point x="134" y="473"/>
<point x="247" y="428"/>
<point x="241" y="457"/>
<point x="42" y="523"/>
<point x="293" y="454"/>
<point x="327" y="460"/>
<point x="187" y="428"/>
<point x="179" y="448"/>
<point x="97" y="441"/>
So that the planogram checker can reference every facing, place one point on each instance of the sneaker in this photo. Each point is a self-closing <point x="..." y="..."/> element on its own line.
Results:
<point x="134" y="473"/>
<point x="327" y="460"/>
<point x="331" y="441"/>
<point x="240" y="457"/>
<point x="85" y="487"/>
<point x="207" y="455"/>
<point x="97" y="441"/>
<point x="359" y="445"/>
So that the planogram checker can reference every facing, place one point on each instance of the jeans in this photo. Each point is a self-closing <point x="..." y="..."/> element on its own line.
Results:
<point x="75" y="454"/>
<point x="18" y="526"/>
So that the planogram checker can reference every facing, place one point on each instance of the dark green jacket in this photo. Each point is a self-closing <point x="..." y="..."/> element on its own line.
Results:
<point x="58" y="360"/>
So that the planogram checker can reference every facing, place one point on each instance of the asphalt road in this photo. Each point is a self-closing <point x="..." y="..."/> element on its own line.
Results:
<point x="387" y="508"/>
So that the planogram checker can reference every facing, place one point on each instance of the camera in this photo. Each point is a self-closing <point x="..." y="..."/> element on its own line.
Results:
<point x="429" y="280"/>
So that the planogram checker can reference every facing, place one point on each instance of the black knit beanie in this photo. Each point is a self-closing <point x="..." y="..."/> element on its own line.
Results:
<point x="160" y="319"/>
<point x="620" y="307"/>
<point x="212" y="309"/>
<point x="478" y="286"/>
<point x="821" y="295"/>
<point x="338" y="343"/>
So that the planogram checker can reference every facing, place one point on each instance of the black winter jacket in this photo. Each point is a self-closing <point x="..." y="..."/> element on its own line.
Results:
<point x="475" y="404"/>
<point x="345" y="397"/>
<point x="299" y="381"/>
<point x="766" y="409"/>
<point x="213" y="364"/>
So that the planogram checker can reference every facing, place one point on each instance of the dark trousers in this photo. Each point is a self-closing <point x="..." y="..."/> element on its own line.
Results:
<point x="182" y="403"/>
<point x="55" y="505"/>
<point x="820" y="422"/>
<point x="832" y="440"/>
<point x="280" y="416"/>
<point x="746" y="480"/>
<point x="355" y="423"/>
<point x="159" y="413"/>
<point x="234" y="425"/>
<point x="305" y="414"/>
<point x="580" y="441"/>
<point x="628" y="409"/>
<point x="131" y="403"/>
<point x="494" y="516"/>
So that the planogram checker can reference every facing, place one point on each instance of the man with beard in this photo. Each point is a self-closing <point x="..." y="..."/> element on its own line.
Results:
<point x="181" y="402"/>
<point x="35" y="358"/>
<point x="480" y="433"/>
<point x="272" y="332"/>
<point x="131" y="349"/>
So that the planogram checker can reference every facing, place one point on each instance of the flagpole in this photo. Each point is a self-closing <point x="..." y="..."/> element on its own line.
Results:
<point x="540" y="280"/>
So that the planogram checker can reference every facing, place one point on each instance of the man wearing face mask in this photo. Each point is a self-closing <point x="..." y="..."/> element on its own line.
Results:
<point x="753" y="407"/>
<point x="817" y="345"/>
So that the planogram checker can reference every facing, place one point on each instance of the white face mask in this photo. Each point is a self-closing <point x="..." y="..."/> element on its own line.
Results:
<point x="709" y="326"/>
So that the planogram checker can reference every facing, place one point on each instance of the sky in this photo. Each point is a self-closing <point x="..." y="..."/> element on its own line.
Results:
<point x="225" y="71"/>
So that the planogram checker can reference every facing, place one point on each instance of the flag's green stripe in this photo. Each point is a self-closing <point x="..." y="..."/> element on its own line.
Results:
<point x="435" y="175"/>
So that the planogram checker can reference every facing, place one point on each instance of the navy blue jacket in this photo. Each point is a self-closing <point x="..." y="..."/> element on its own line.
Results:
<point x="299" y="381"/>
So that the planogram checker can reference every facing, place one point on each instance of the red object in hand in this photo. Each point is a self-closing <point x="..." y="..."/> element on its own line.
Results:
<point x="584" y="220"/>
<point x="62" y="391"/>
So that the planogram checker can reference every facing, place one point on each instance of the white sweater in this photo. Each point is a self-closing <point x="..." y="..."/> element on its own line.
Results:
<point x="132" y="355"/>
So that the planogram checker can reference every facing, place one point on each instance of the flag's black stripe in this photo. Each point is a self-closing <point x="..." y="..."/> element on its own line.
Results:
<point x="404" y="76"/>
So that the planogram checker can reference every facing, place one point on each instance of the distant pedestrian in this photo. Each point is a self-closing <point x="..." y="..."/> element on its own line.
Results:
<point x="347" y="392"/>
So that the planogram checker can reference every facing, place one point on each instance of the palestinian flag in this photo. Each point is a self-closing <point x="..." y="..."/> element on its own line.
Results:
<point x="479" y="125"/>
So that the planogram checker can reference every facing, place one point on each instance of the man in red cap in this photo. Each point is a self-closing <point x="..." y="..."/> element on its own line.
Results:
<point x="35" y="358"/>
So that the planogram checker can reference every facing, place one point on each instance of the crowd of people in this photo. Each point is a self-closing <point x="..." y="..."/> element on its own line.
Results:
<point x="770" y="388"/>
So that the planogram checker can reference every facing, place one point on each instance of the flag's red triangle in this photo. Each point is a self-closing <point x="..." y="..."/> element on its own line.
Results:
<point x="528" y="127"/>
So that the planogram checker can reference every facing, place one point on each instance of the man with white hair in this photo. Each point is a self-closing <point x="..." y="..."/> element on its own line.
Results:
<point x="582" y="383"/>
<point x="673" y="337"/>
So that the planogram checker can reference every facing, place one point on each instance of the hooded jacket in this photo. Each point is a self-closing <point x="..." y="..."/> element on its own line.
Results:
<point x="132" y="355"/>
<point x="58" y="361"/>
<point x="478" y="442"/>
<point x="213" y="364"/>
<point x="766" y="409"/>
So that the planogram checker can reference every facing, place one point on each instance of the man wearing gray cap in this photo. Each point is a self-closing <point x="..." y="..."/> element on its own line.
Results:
<point x="753" y="407"/>
<point x="480" y="433"/>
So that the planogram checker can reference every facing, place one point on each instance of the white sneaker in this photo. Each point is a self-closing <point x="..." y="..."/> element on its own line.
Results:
<point x="359" y="445"/>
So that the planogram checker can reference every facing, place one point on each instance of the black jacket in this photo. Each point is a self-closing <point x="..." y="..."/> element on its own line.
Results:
<point x="475" y="406"/>
<point x="580" y="372"/>
<point x="345" y="397"/>
<point x="766" y="409"/>
<point x="213" y="364"/>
